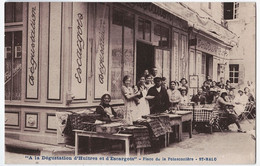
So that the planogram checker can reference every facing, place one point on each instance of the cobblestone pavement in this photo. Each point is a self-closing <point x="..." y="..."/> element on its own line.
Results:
<point x="222" y="148"/>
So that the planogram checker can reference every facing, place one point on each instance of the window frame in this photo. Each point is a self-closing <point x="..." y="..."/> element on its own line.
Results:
<point x="234" y="72"/>
<point x="124" y="14"/>
<point x="12" y="27"/>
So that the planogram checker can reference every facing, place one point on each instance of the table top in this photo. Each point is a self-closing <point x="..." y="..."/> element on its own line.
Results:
<point x="95" y="133"/>
<point x="183" y="112"/>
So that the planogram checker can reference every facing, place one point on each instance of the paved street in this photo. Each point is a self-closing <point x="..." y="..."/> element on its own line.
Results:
<point x="227" y="148"/>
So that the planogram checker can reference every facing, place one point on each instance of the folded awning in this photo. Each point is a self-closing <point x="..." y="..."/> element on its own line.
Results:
<point x="204" y="24"/>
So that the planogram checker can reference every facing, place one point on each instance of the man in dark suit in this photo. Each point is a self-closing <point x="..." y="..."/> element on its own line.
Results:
<point x="158" y="97"/>
<point x="199" y="98"/>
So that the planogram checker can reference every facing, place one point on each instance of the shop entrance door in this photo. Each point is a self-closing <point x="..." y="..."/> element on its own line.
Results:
<point x="144" y="59"/>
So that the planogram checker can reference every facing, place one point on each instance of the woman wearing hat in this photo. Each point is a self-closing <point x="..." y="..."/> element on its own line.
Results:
<point x="240" y="102"/>
<point x="221" y="105"/>
<point x="184" y="97"/>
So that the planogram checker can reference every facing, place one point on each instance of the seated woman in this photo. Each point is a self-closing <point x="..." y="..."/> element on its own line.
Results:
<point x="221" y="107"/>
<point x="104" y="109"/>
<point x="184" y="97"/>
<point x="240" y="101"/>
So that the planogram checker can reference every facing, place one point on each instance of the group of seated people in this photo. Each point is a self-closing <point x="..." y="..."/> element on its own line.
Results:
<point x="152" y="95"/>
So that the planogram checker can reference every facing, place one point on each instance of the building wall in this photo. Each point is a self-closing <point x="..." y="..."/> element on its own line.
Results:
<point x="215" y="11"/>
<point x="245" y="51"/>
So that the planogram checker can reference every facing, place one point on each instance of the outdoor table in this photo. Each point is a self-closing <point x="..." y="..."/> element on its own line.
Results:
<point x="124" y="137"/>
<point x="187" y="117"/>
<point x="166" y="134"/>
<point x="200" y="113"/>
<point x="176" y="120"/>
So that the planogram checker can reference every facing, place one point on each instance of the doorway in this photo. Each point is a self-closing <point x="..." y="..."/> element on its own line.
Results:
<point x="144" y="59"/>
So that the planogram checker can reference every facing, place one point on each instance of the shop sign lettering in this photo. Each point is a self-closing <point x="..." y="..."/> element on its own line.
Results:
<point x="80" y="47"/>
<point x="33" y="63"/>
<point x="102" y="67"/>
<point x="207" y="46"/>
<point x="101" y="51"/>
<point x="79" y="51"/>
<point x="32" y="56"/>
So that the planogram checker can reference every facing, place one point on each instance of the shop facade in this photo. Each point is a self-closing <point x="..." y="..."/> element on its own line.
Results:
<point x="208" y="57"/>
<point x="64" y="56"/>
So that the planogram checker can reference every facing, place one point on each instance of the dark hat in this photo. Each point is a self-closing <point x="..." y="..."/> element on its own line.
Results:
<point x="157" y="79"/>
<point x="240" y="90"/>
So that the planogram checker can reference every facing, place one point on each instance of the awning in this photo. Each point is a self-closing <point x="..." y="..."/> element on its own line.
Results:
<point x="204" y="24"/>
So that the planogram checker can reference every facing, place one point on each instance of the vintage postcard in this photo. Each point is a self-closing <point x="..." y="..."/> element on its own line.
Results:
<point x="129" y="83"/>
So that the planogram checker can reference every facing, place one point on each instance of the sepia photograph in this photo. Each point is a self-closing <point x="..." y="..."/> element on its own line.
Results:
<point x="129" y="83"/>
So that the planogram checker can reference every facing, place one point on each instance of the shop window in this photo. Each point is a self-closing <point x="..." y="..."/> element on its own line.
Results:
<point x="161" y="36"/>
<point x="144" y="29"/>
<point x="13" y="12"/>
<point x="13" y="65"/>
<point x="13" y="50"/>
<point x="122" y="45"/>
<point x="233" y="73"/>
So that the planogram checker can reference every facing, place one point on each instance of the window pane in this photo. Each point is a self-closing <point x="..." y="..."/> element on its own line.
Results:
<point x="18" y="12"/>
<point x="17" y="66"/>
<point x="231" y="74"/>
<point x="236" y="74"/>
<point x="9" y="12"/>
<point x="116" y="46"/>
<point x="140" y="29"/>
<point x="231" y="80"/>
<point x="236" y="80"/>
<point x="129" y="45"/>
<point x="8" y="65"/>
<point x="237" y="67"/>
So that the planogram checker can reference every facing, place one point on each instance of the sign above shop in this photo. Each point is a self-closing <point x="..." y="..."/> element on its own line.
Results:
<point x="207" y="46"/>
<point x="158" y="13"/>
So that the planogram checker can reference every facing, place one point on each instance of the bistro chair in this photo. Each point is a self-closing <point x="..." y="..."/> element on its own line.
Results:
<point x="249" y="108"/>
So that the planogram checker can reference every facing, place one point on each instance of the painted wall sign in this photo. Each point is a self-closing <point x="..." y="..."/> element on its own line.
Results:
<point x="222" y="52"/>
<point x="207" y="46"/>
<point x="159" y="13"/>
<point x="101" y="62"/>
<point x="32" y="51"/>
<point x="54" y="65"/>
<point x="79" y="51"/>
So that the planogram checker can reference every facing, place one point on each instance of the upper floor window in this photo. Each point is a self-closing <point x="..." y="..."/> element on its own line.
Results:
<point x="231" y="10"/>
<point x="233" y="73"/>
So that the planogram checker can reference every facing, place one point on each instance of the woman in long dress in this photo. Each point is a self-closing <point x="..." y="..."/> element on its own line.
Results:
<point x="143" y="107"/>
<point x="129" y="97"/>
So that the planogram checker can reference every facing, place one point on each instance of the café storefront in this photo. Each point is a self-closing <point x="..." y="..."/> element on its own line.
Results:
<point x="63" y="56"/>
